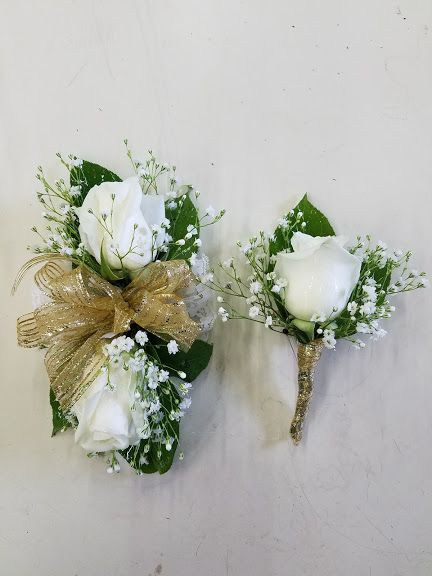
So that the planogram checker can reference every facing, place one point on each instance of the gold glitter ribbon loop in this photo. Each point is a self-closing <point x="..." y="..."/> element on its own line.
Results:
<point x="84" y="308"/>
<point x="308" y="356"/>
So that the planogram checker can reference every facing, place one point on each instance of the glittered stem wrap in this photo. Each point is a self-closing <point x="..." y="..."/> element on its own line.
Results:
<point x="308" y="356"/>
<point x="84" y="309"/>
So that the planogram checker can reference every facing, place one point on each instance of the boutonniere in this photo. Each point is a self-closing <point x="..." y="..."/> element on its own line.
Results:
<point x="308" y="283"/>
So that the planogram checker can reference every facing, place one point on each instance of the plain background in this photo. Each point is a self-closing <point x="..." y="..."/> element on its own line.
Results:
<point x="256" y="103"/>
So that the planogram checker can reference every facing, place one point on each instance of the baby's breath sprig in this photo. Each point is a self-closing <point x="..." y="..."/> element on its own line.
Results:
<point x="150" y="172"/>
<point x="158" y="403"/>
<point x="263" y="290"/>
<point x="383" y="275"/>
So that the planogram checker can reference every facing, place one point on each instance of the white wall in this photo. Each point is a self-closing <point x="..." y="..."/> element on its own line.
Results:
<point x="256" y="102"/>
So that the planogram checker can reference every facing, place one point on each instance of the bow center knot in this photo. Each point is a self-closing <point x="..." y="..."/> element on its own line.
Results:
<point x="123" y="316"/>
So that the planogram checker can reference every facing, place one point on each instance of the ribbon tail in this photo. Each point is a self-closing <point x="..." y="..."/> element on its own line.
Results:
<point x="27" y="332"/>
<point x="34" y="262"/>
<point x="73" y="366"/>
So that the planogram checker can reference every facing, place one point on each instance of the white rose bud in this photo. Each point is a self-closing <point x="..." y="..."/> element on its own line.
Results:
<point x="105" y="418"/>
<point x="111" y="223"/>
<point x="321" y="275"/>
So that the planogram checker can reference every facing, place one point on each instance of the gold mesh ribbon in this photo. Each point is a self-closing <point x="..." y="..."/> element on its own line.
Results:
<point x="308" y="356"/>
<point x="83" y="308"/>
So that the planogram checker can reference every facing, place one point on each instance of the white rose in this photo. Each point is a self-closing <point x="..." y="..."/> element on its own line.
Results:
<point x="320" y="273"/>
<point x="104" y="414"/>
<point x="117" y="216"/>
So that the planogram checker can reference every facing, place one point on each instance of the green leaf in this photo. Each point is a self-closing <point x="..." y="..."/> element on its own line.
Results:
<point x="181" y="217"/>
<point x="89" y="174"/>
<point x="192" y="362"/>
<point x="306" y="327"/>
<point x="107" y="272"/>
<point x="164" y="463"/>
<point x="59" y="420"/>
<point x="133" y="456"/>
<point x="316" y="225"/>
<point x="280" y="242"/>
<point x="150" y="463"/>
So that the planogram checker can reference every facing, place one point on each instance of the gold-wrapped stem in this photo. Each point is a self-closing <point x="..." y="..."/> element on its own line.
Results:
<point x="308" y="356"/>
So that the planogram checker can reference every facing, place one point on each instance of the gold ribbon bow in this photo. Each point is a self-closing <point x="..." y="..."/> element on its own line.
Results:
<point x="84" y="308"/>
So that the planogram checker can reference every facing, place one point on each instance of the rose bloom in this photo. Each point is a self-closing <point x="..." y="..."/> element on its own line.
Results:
<point x="117" y="216"/>
<point x="321" y="276"/>
<point x="105" y="419"/>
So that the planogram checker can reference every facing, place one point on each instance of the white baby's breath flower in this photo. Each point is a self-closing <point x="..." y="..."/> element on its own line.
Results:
<point x="143" y="172"/>
<point x="329" y="339"/>
<point x="371" y="292"/>
<point x="163" y="376"/>
<point x="255" y="287"/>
<point x="318" y="317"/>
<point x="352" y="308"/>
<point x="172" y="347"/>
<point x="65" y="208"/>
<point x="278" y="285"/>
<point x="223" y="313"/>
<point x="119" y="345"/>
<point x="141" y="337"/>
<point x="367" y="308"/>
<point x="185" y="403"/>
<point x="268" y="322"/>
<point x="363" y="328"/>
<point x="254" y="311"/>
